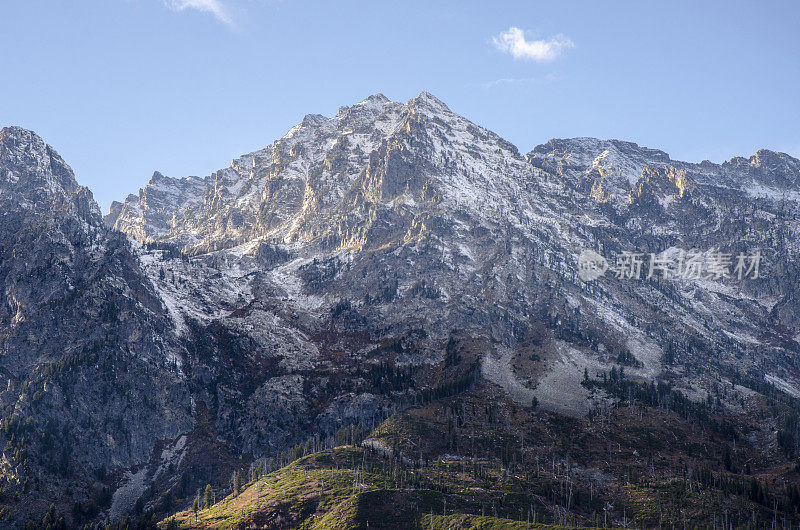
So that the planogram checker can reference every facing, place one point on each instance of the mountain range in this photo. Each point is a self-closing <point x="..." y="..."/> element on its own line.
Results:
<point x="374" y="265"/>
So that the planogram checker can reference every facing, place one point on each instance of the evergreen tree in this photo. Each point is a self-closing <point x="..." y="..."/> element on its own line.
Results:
<point x="209" y="497"/>
<point x="237" y="483"/>
<point x="51" y="521"/>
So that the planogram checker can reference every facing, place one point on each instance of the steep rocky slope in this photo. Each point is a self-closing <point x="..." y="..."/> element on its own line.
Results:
<point x="92" y="381"/>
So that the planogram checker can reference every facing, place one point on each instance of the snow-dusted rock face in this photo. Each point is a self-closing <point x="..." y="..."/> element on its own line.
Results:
<point x="609" y="169"/>
<point x="34" y="178"/>
<point x="605" y="169"/>
<point x="361" y="259"/>
<point x="281" y="191"/>
<point x="154" y="212"/>
<point x="392" y="218"/>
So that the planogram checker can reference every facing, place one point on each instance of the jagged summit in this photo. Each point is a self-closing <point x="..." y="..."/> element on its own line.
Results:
<point x="377" y="98"/>
<point x="28" y="160"/>
<point x="327" y="178"/>
<point x="372" y="104"/>
<point x="429" y="101"/>
<point x="779" y="172"/>
<point x="21" y="137"/>
<point x="34" y="177"/>
<point x="769" y="158"/>
<point x="609" y="170"/>
<point x="310" y="120"/>
<point x="586" y="146"/>
<point x="157" y="176"/>
<point x="289" y="190"/>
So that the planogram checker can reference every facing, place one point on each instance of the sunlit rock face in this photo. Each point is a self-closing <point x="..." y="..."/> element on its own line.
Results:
<point x="359" y="260"/>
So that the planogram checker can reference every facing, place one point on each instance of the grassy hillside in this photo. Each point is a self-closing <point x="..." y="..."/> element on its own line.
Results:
<point x="350" y="487"/>
<point x="478" y="460"/>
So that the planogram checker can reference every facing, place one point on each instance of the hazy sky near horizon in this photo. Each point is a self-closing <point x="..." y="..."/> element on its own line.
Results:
<point x="122" y="88"/>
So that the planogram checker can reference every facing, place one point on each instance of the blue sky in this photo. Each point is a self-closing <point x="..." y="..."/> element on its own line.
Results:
<point x="125" y="87"/>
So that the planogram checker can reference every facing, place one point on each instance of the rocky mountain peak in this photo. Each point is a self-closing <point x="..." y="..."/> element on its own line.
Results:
<point x="426" y="101"/>
<point x="366" y="109"/>
<point x="311" y="120"/>
<point x="774" y="160"/>
<point x="157" y="177"/>
<point x="766" y="173"/>
<point x="377" y="98"/>
<point x="29" y="162"/>
<point x="583" y="153"/>
<point x="606" y="170"/>
<point x="33" y="176"/>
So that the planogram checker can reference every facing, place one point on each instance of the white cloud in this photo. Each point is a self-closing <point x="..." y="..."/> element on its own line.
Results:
<point x="214" y="7"/>
<point x="513" y="42"/>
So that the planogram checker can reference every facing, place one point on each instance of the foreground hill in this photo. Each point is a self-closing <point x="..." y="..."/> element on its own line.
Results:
<point x="479" y="461"/>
